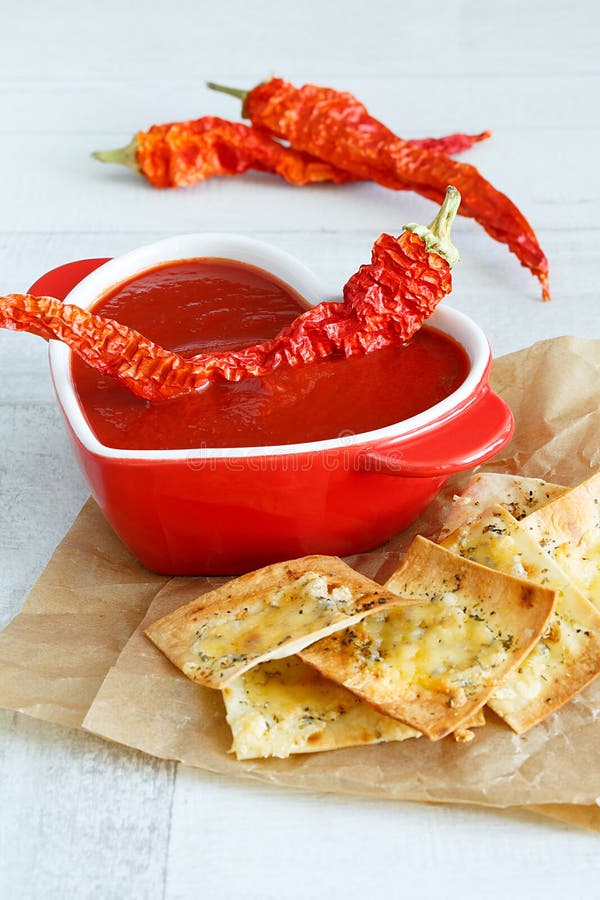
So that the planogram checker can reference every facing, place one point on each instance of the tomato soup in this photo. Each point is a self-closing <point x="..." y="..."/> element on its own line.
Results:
<point x="210" y="304"/>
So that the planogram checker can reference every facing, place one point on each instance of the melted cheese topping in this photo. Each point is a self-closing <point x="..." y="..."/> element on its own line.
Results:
<point x="305" y="605"/>
<point x="498" y="541"/>
<point x="569" y="530"/>
<point x="442" y="645"/>
<point x="283" y="707"/>
<point x="580" y="560"/>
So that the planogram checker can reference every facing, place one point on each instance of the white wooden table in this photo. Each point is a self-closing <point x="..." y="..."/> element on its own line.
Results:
<point x="81" y="818"/>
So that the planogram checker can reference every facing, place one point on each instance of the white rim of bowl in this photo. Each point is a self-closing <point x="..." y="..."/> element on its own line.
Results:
<point x="297" y="276"/>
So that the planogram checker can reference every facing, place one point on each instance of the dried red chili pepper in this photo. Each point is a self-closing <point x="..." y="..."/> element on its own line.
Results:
<point x="183" y="153"/>
<point x="384" y="304"/>
<point x="337" y="128"/>
<point x="145" y="368"/>
<point x="450" y="144"/>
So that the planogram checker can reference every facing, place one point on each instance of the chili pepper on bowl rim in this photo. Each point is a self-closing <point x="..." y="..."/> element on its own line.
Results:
<point x="383" y="305"/>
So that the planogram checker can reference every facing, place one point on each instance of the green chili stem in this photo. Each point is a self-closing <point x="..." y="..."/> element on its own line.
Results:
<point x="437" y="235"/>
<point x="235" y="92"/>
<point x="124" y="156"/>
<point x="442" y="223"/>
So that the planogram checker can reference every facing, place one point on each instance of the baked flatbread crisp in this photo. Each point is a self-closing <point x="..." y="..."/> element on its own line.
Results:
<point x="284" y="706"/>
<point x="569" y="530"/>
<point x="567" y="657"/>
<point x="520" y="496"/>
<point x="435" y="664"/>
<point x="267" y="614"/>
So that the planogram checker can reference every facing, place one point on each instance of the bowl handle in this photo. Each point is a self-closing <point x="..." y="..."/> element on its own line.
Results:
<point x="60" y="281"/>
<point x="467" y="439"/>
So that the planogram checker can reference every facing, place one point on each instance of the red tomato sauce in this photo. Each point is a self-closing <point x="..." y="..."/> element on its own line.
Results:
<point x="210" y="304"/>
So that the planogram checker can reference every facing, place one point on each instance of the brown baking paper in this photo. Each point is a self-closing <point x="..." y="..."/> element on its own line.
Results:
<point x="80" y="613"/>
<point x="55" y="654"/>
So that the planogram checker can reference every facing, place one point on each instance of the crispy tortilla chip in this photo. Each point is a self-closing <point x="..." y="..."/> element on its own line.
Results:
<point x="569" y="530"/>
<point x="567" y="657"/>
<point x="267" y="614"/>
<point x="435" y="664"/>
<point x="284" y="706"/>
<point x="520" y="496"/>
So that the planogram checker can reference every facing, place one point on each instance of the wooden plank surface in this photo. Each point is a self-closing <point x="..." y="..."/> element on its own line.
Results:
<point x="81" y="818"/>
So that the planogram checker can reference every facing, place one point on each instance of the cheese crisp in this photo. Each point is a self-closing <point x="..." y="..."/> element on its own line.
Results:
<point x="569" y="530"/>
<point x="520" y="496"/>
<point x="435" y="664"/>
<point x="284" y="706"/>
<point x="567" y="657"/>
<point x="267" y="614"/>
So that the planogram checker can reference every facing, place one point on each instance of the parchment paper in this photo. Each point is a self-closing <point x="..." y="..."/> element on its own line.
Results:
<point x="55" y="654"/>
<point x="80" y="613"/>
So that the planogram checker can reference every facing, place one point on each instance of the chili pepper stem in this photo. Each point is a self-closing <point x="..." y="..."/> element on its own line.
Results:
<point x="437" y="235"/>
<point x="124" y="156"/>
<point x="235" y="92"/>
